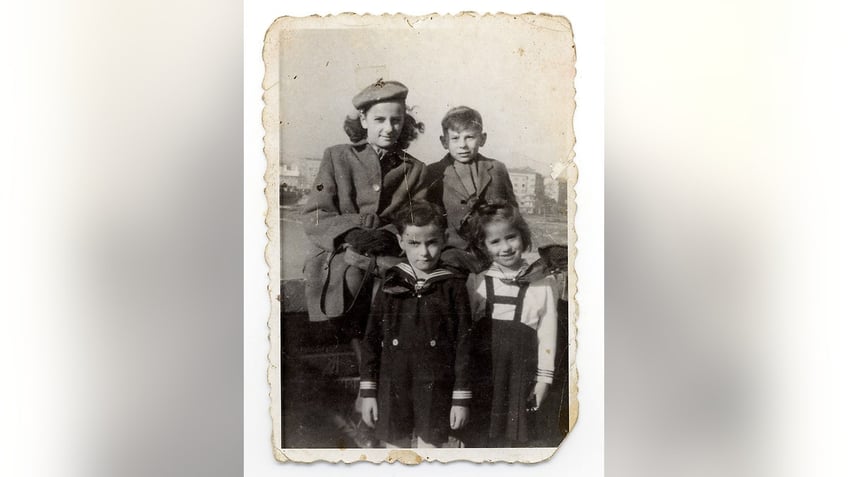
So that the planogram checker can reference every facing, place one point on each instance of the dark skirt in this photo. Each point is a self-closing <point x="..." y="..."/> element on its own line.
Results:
<point x="514" y="361"/>
<point x="504" y="367"/>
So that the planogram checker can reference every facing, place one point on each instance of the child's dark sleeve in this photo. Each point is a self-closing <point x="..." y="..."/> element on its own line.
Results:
<point x="462" y="380"/>
<point x="433" y="174"/>
<point x="418" y="184"/>
<point x="510" y="194"/>
<point x="369" y="367"/>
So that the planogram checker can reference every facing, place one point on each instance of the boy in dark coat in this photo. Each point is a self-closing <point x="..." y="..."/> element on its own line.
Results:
<point x="415" y="357"/>
<point x="464" y="178"/>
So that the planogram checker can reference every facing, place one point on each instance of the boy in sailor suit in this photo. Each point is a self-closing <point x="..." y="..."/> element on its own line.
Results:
<point x="415" y="356"/>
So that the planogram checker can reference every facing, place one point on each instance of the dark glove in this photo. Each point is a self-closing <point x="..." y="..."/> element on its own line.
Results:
<point x="473" y="203"/>
<point x="555" y="257"/>
<point x="373" y="242"/>
<point x="552" y="259"/>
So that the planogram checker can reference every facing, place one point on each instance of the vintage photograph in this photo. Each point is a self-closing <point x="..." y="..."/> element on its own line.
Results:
<point x="420" y="187"/>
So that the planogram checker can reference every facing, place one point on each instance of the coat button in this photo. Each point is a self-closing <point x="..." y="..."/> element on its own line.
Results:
<point x="394" y="342"/>
<point x="432" y="343"/>
<point x="376" y="187"/>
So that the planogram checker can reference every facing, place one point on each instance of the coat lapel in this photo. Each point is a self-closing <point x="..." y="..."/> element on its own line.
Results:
<point x="367" y="180"/>
<point x="369" y="160"/>
<point x="451" y="179"/>
<point x="484" y="167"/>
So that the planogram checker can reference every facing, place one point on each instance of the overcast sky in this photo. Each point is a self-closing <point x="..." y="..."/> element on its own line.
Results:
<point x="518" y="76"/>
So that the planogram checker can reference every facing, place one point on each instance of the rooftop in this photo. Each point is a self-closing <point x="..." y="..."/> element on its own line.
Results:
<point x="522" y="170"/>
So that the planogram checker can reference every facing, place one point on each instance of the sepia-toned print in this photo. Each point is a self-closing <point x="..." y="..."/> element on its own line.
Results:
<point x="420" y="188"/>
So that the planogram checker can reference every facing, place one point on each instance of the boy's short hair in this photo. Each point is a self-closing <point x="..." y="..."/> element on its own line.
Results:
<point x="461" y="118"/>
<point x="420" y="213"/>
<point x="493" y="212"/>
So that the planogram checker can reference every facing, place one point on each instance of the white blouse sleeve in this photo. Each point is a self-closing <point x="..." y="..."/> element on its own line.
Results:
<point x="547" y="332"/>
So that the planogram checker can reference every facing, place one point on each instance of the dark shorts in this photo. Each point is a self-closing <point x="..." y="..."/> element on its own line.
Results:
<point x="415" y="395"/>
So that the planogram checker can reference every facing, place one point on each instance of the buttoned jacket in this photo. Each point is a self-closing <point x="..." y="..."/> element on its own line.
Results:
<point x="446" y="189"/>
<point x="346" y="195"/>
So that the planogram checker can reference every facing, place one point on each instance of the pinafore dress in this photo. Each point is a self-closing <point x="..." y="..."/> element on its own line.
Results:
<point x="509" y="350"/>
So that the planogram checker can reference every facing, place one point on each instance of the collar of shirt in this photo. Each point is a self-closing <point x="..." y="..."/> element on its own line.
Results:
<point x="528" y="273"/>
<point x="379" y="150"/>
<point x="506" y="275"/>
<point x="384" y="153"/>
<point x="401" y="279"/>
<point x="468" y="175"/>
<point x="496" y="271"/>
<point x="389" y="158"/>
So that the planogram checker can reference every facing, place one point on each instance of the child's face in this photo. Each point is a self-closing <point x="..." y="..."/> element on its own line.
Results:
<point x="422" y="245"/>
<point x="463" y="145"/>
<point x="504" y="244"/>
<point x="383" y="122"/>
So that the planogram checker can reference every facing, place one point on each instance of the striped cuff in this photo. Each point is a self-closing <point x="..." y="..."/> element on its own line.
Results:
<point x="545" y="376"/>
<point x="368" y="389"/>
<point x="461" y="397"/>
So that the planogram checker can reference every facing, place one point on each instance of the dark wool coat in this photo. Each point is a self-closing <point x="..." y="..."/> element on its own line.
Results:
<point x="445" y="188"/>
<point x="415" y="354"/>
<point x="349" y="192"/>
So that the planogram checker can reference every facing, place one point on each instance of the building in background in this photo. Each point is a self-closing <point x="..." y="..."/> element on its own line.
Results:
<point x="296" y="180"/>
<point x="555" y="194"/>
<point x="529" y="190"/>
<point x="289" y="176"/>
<point x="555" y="190"/>
<point x="299" y="174"/>
<point x="309" y="170"/>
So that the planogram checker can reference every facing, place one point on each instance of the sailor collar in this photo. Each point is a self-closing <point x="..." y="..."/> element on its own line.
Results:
<point x="495" y="271"/>
<point x="401" y="279"/>
<point x="528" y="273"/>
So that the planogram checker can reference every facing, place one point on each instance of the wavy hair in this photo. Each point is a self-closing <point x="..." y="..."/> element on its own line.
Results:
<point x="408" y="133"/>
<point x="495" y="212"/>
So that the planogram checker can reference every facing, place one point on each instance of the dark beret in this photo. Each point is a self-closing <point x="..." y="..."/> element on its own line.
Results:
<point x="379" y="92"/>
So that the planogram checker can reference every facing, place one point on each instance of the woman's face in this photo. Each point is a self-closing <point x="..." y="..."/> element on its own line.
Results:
<point x="383" y="121"/>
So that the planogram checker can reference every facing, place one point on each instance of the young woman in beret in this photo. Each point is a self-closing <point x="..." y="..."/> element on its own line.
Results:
<point x="358" y="187"/>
